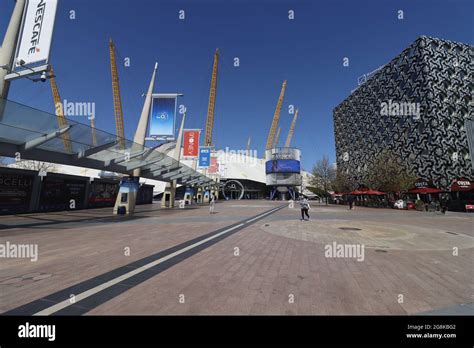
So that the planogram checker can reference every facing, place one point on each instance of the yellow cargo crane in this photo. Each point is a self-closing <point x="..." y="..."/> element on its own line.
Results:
<point x="276" y="118"/>
<point x="292" y="130"/>
<point x="275" y="144"/>
<point x="58" y="106"/>
<point x="117" y="98"/>
<point x="212" y="102"/>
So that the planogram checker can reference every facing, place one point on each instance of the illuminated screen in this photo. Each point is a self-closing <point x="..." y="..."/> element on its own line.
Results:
<point x="282" y="166"/>
<point x="162" y="117"/>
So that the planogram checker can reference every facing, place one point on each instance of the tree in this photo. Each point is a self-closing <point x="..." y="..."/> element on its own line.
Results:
<point x="323" y="174"/>
<point x="389" y="173"/>
<point x="317" y="191"/>
<point x="35" y="165"/>
<point x="343" y="183"/>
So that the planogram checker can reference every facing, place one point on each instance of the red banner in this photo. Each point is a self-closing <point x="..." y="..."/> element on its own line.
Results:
<point x="191" y="143"/>
<point x="214" y="167"/>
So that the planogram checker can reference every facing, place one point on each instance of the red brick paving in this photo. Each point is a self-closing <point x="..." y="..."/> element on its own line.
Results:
<point x="269" y="269"/>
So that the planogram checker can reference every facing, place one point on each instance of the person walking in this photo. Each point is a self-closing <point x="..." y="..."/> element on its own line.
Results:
<point x="350" y="200"/>
<point x="304" y="205"/>
<point x="212" y="203"/>
<point x="443" y="202"/>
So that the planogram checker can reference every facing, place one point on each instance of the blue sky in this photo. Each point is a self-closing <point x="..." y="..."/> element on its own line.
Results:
<point x="307" y="52"/>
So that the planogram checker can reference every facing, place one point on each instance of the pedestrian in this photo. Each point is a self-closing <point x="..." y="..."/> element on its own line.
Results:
<point x="304" y="205"/>
<point x="350" y="200"/>
<point x="443" y="204"/>
<point x="212" y="203"/>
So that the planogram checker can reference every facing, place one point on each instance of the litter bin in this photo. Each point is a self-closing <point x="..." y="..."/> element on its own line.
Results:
<point x="122" y="210"/>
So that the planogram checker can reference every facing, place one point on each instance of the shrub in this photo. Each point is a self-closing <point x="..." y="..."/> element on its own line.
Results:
<point x="419" y="205"/>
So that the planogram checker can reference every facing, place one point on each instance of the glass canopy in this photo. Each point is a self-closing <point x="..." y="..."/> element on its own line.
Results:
<point x="42" y="136"/>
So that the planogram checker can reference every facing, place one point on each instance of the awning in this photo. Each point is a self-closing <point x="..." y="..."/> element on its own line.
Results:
<point x="462" y="185"/>
<point x="367" y="192"/>
<point x="38" y="135"/>
<point x="357" y="192"/>
<point x="373" y="192"/>
<point x="425" y="190"/>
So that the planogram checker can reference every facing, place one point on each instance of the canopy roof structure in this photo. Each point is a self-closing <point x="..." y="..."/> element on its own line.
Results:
<point x="38" y="135"/>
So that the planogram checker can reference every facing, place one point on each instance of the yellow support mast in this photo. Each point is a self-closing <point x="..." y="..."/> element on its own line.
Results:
<point x="292" y="130"/>
<point x="212" y="102"/>
<point x="58" y="106"/>
<point x="275" y="144"/>
<point x="248" y="145"/>
<point x="276" y="118"/>
<point x="117" y="98"/>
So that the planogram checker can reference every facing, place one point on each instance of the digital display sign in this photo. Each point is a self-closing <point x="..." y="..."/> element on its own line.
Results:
<point x="282" y="166"/>
<point x="102" y="194"/>
<point x="162" y="118"/>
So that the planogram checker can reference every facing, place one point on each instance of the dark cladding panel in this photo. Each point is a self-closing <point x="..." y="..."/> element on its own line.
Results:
<point x="416" y="106"/>
<point x="57" y="193"/>
<point x="470" y="137"/>
<point x="15" y="192"/>
<point x="145" y="194"/>
<point x="102" y="194"/>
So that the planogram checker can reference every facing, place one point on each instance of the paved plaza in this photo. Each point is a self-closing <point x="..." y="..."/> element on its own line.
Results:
<point x="250" y="257"/>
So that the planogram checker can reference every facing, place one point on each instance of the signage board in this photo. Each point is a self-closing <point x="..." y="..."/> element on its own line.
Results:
<point x="15" y="192"/>
<point x="57" y="193"/>
<point x="162" y="117"/>
<point x="462" y="184"/>
<point x="191" y="143"/>
<point x="34" y="42"/>
<point x="204" y="156"/>
<point x="282" y="166"/>
<point x="214" y="166"/>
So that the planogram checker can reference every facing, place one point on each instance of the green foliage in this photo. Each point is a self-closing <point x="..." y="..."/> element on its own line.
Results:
<point x="343" y="183"/>
<point x="316" y="190"/>
<point x="323" y="174"/>
<point x="389" y="173"/>
<point x="419" y="205"/>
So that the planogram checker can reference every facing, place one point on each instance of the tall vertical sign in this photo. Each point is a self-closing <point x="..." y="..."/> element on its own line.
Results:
<point x="191" y="143"/>
<point x="34" y="42"/>
<point x="214" y="166"/>
<point x="162" y="117"/>
<point x="204" y="157"/>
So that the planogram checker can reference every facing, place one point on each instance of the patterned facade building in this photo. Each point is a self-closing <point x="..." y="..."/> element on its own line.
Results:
<point x="420" y="107"/>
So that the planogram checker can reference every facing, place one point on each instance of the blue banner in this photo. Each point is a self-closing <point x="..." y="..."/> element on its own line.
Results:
<point x="132" y="182"/>
<point x="204" y="157"/>
<point x="282" y="166"/>
<point x="162" y="118"/>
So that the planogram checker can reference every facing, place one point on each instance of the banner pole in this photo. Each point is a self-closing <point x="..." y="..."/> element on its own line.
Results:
<point x="171" y="186"/>
<point x="7" y="51"/>
<point x="129" y="193"/>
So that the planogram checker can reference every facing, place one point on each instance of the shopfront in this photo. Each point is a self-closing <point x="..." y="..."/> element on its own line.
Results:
<point x="461" y="194"/>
